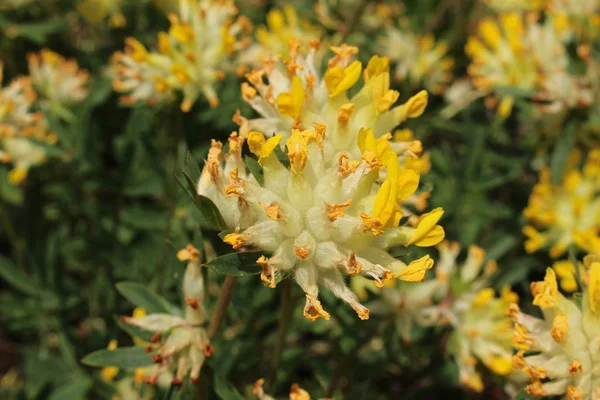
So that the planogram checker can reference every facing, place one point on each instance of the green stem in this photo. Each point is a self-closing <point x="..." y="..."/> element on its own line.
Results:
<point x="13" y="238"/>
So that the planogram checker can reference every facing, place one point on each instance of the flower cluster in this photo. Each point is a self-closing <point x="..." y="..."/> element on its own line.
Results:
<point x="320" y="219"/>
<point x="418" y="59"/>
<point x="97" y="11"/>
<point x="461" y="298"/>
<point x="194" y="54"/>
<point x="296" y="96"/>
<point x="273" y="39"/>
<point x="559" y="352"/>
<point x="58" y="82"/>
<point x="19" y="126"/>
<point x="520" y="52"/>
<point x="180" y="343"/>
<point x="568" y="213"/>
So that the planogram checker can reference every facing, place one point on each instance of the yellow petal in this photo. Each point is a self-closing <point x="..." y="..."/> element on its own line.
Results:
<point x="377" y="65"/>
<point x="427" y="232"/>
<point x="415" y="106"/>
<point x="260" y="147"/>
<point x="546" y="293"/>
<point x="415" y="271"/>
<point x="17" y="175"/>
<point x="408" y="184"/>
<point x="338" y="79"/>
<point x="290" y="104"/>
<point x="500" y="365"/>
<point x="483" y="297"/>
<point x="594" y="286"/>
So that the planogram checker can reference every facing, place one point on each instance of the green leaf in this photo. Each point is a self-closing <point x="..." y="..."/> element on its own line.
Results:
<point x="560" y="156"/>
<point x="38" y="32"/>
<point x="73" y="391"/>
<point x="522" y="395"/>
<point x="255" y="169"/>
<point x="137" y="294"/>
<point x="16" y="278"/>
<point x="513" y="91"/>
<point x="236" y="264"/>
<point x="226" y="390"/>
<point x="122" y="357"/>
<point x="210" y="217"/>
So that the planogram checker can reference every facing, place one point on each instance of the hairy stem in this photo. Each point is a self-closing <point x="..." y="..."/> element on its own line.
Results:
<point x="222" y="305"/>
<point x="286" y="312"/>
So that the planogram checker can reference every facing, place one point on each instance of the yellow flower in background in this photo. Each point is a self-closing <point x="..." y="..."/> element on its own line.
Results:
<point x="516" y="5"/>
<point x="568" y="213"/>
<point x="559" y="352"/>
<point x="576" y="19"/>
<point x="514" y="51"/>
<point x="460" y="297"/>
<point x="20" y="127"/>
<point x="60" y="83"/>
<point x="282" y="25"/>
<point x="190" y="58"/>
<point x="322" y="219"/>
<point x="419" y="59"/>
<point x="98" y="12"/>
<point x="296" y="392"/>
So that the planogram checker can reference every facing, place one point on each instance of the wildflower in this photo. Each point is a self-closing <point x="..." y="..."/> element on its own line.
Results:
<point x="460" y="297"/>
<point x="560" y="215"/>
<point x="19" y="124"/>
<point x="576" y="19"/>
<point x="342" y="15"/>
<point x="419" y="59"/>
<point x="189" y="58"/>
<point x="558" y="352"/>
<point x="182" y="343"/>
<point x="296" y="392"/>
<point x="320" y="220"/>
<point x="59" y="82"/>
<point x="297" y="96"/>
<point x="98" y="11"/>
<point x="522" y="53"/>
<point x="273" y="39"/>
<point x="516" y="5"/>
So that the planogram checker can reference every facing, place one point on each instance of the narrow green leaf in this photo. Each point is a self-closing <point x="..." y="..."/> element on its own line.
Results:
<point x="236" y="264"/>
<point x="16" y="278"/>
<point x="255" y="169"/>
<point x="137" y="294"/>
<point x="122" y="357"/>
<point x="226" y="390"/>
<point x="560" y="156"/>
<point x="77" y="390"/>
<point x="210" y="216"/>
<point x="38" y="32"/>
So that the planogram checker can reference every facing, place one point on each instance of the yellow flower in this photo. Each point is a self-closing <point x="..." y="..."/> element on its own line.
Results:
<point x="428" y="233"/>
<point x="184" y="61"/>
<point x="559" y="349"/>
<point x="567" y="213"/>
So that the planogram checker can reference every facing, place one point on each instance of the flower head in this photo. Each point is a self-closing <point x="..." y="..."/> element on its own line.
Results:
<point x="419" y="59"/>
<point x="19" y="124"/>
<point x="58" y="82"/>
<point x="567" y="213"/>
<point x="520" y="52"/>
<point x="459" y="297"/>
<point x="297" y="96"/>
<point x="181" y="343"/>
<point x="273" y="39"/>
<point x="559" y="352"/>
<point x="189" y="58"/>
<point x="320" y="220"/>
